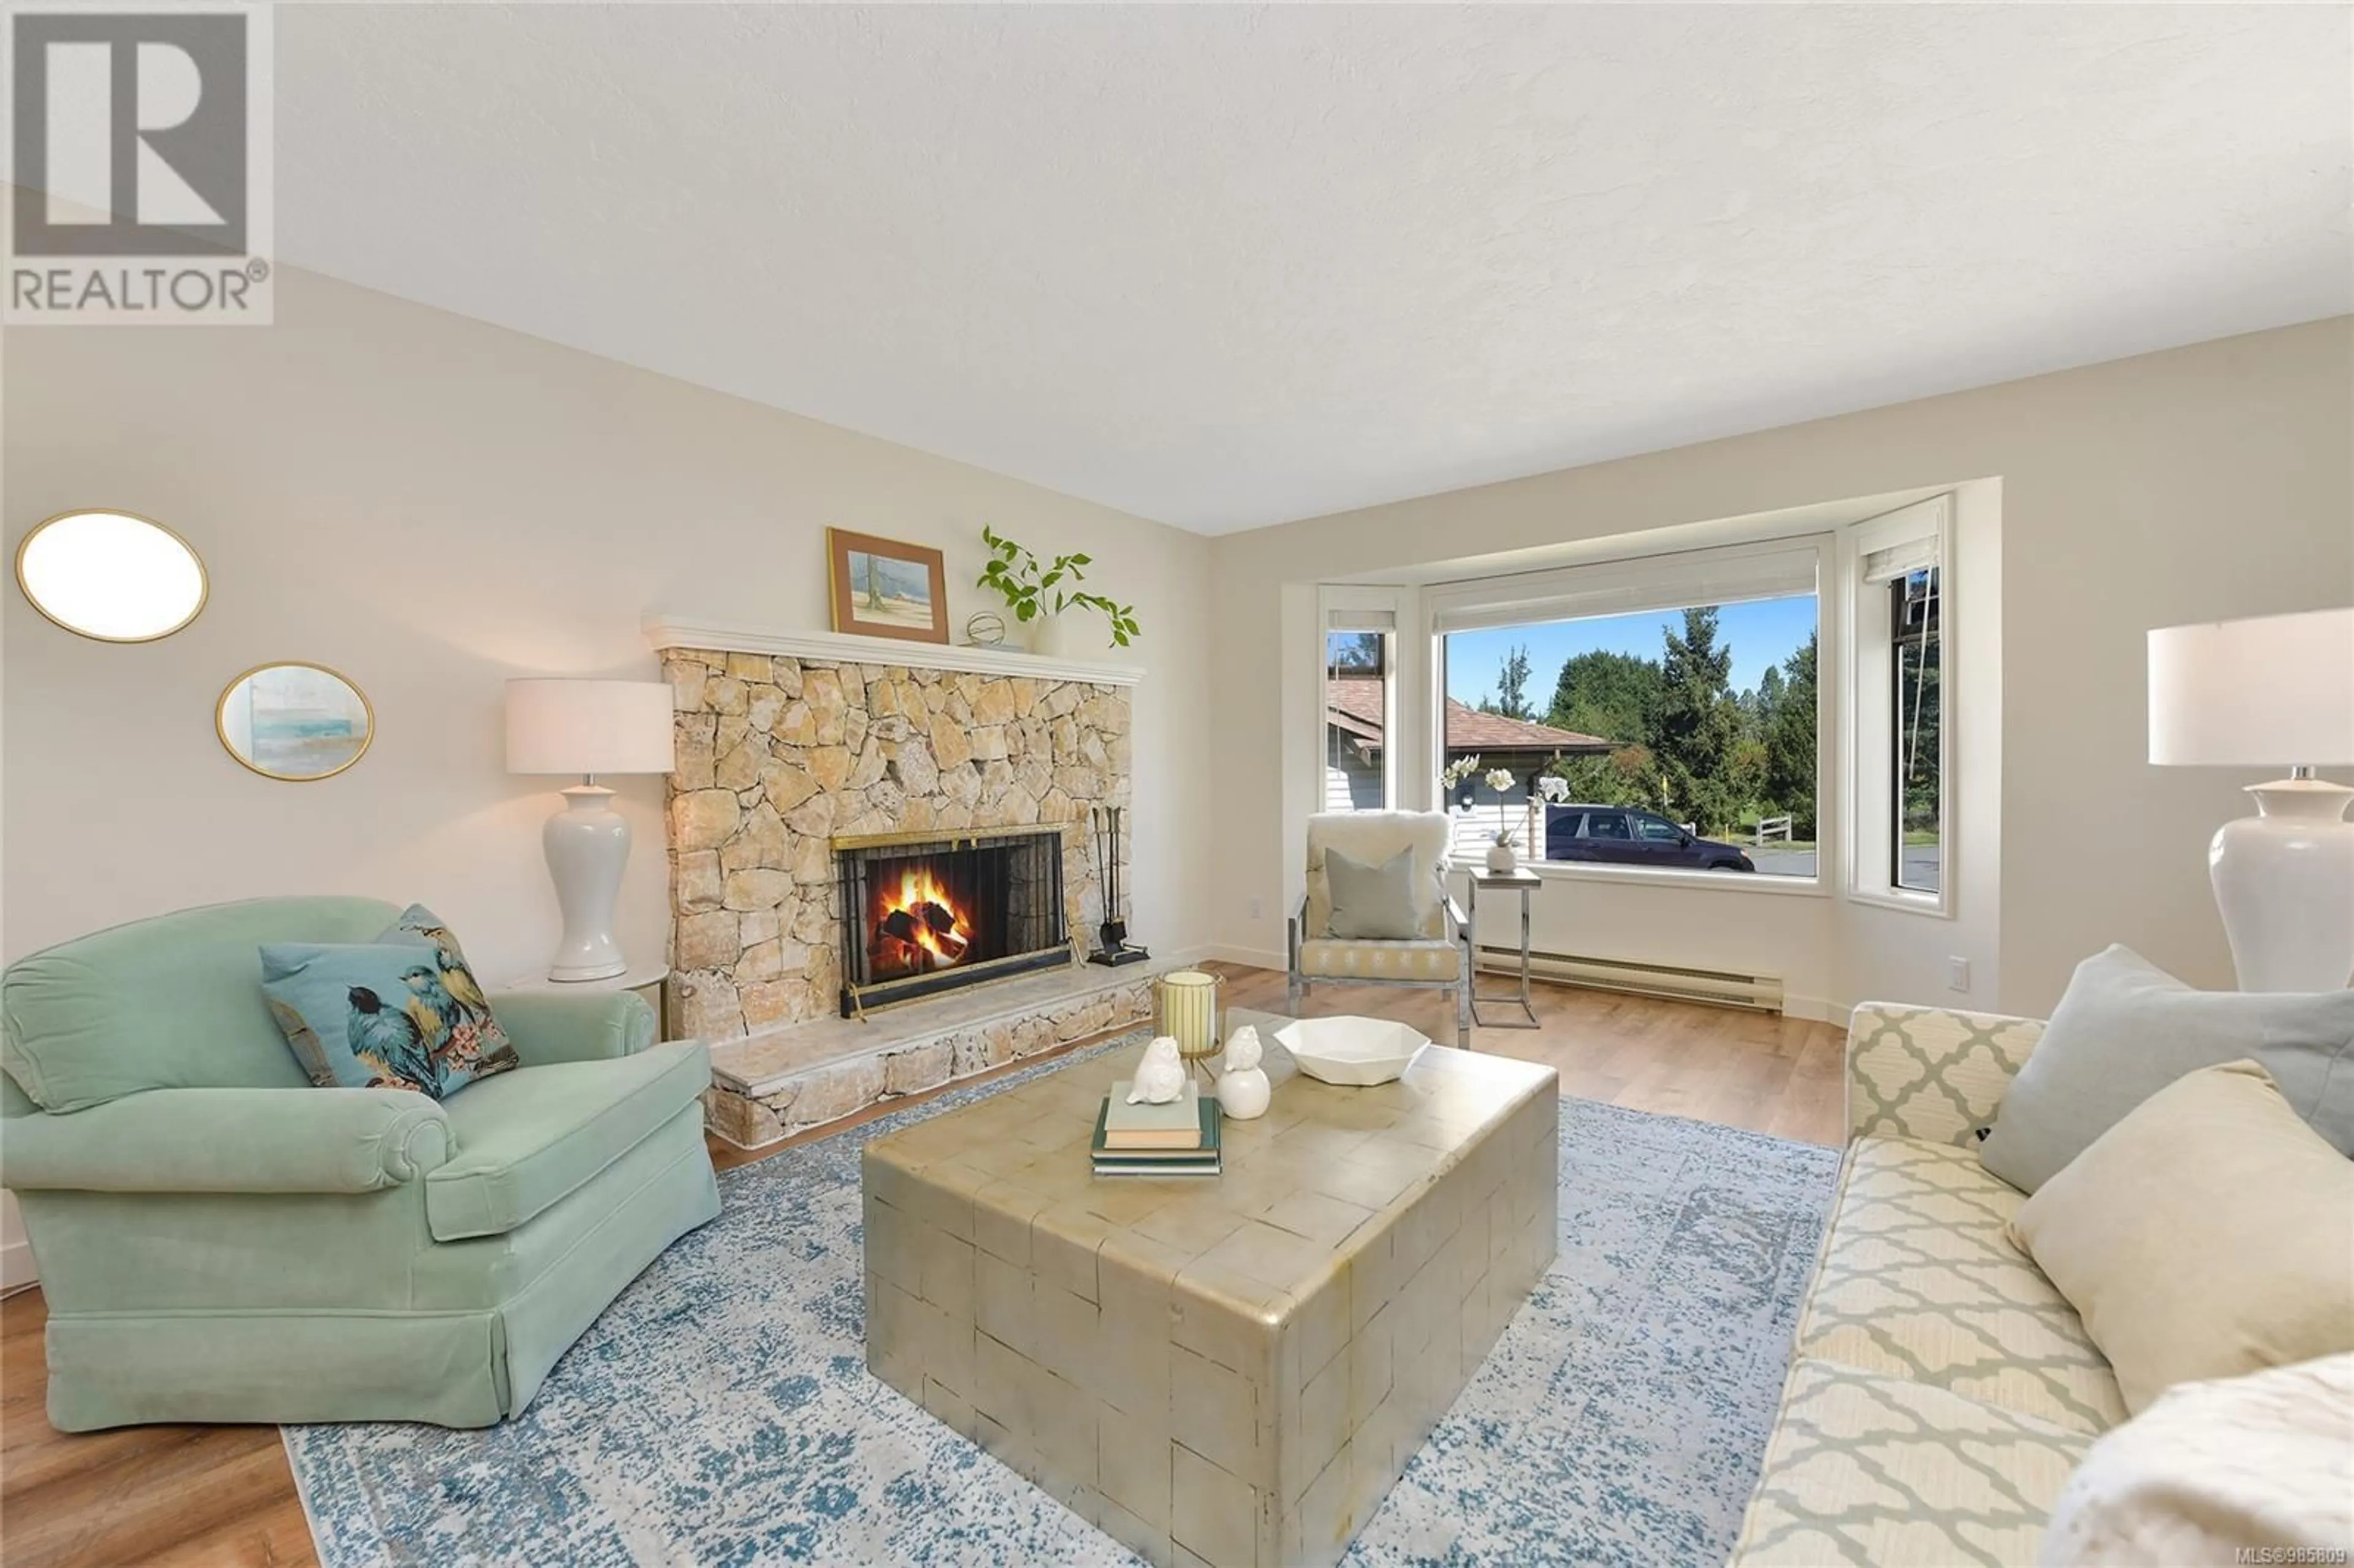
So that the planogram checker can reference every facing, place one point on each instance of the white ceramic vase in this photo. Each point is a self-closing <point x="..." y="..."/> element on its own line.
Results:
<point x="2285" y="882"/>
<point x="1502" y="860"/>
<point x="1050" y="635"/>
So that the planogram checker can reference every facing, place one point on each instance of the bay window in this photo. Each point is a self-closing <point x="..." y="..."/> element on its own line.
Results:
<point x="1774" y="715"/>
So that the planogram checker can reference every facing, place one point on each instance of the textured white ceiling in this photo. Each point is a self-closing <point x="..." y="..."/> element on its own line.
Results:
<point x="1227" y="266"/>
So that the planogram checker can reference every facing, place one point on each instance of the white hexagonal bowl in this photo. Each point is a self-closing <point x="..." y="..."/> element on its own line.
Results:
<point x="1355" y="1052"/>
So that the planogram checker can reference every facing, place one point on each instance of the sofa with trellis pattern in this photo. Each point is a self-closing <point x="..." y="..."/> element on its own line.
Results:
<point x="1940" y="1389"/>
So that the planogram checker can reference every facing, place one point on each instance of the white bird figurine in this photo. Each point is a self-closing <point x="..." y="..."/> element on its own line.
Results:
<point x="1242" y="1087"/>
<point x="1161" y="1076"/>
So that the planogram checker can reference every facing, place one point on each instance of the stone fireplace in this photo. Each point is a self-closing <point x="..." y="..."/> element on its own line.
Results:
<point x="784" y="757"/>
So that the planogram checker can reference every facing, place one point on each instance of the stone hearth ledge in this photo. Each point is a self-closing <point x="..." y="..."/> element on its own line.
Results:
<point x="774" y="1085"/>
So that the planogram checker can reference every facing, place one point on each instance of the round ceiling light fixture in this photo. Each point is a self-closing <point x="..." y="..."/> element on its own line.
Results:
<point x="112" y="576"/>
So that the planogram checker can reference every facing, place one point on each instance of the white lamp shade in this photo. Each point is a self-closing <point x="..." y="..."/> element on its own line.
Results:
<point x="589" y="726"/>
<point x="2277" y="690"/>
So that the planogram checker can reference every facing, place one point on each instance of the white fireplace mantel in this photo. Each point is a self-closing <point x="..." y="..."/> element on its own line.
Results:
<point x="845" y="647"/>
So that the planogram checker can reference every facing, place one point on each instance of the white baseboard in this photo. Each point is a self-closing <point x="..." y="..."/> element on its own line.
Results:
<point x="1815" y="1008"/>
<point x="16" y="1270"/>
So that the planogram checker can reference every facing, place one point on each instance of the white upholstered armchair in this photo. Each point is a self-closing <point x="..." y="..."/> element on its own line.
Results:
<point x="1439" y="958"/>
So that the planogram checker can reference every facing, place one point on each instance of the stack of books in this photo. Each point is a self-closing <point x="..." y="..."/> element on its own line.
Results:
<point x="1180" y="1138"/>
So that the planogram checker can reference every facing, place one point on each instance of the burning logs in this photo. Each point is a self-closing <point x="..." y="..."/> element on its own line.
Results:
<point x="928" y="926"/>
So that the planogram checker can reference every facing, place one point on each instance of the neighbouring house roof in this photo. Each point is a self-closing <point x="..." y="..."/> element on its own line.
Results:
<point x="1468" y="729"/>
<point x="1355" y="705"/>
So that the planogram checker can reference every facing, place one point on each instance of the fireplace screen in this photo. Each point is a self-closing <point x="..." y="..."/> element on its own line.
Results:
<point x="921" y="914"/>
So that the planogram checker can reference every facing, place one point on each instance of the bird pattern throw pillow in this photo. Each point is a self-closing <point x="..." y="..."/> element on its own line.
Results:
<point x="403" y="1011"/>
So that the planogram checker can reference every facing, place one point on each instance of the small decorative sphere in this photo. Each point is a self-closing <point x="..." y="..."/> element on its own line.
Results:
<point x="1243" y="1095"/>
<point x="984" y="630"/>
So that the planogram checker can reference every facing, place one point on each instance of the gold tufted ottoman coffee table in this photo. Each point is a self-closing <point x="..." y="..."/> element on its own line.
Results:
<point x="1232" y="1370"/>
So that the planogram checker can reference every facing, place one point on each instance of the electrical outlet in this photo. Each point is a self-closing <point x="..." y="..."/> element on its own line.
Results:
<point x="1957" y="974"/>
<point x="1257" y="907"/>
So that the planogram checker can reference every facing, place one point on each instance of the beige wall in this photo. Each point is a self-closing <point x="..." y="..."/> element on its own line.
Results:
<point x="2204" y="482"/>
<point x="431" y="504"/>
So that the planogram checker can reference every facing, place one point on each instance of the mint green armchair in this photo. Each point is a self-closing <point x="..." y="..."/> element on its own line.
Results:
<point x="220" y="1241"/>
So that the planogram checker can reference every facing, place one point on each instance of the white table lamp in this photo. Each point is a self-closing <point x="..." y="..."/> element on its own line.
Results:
<point x="2274" y="691"/>
<point x="588" y="728"/>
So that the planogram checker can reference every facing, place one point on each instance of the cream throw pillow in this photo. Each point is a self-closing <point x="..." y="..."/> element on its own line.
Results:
<point x="2209" y="1234"/>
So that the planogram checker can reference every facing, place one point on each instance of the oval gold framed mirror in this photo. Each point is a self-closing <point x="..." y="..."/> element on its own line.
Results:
<point x="295" y="721"/>
<point x="111" y="576"/>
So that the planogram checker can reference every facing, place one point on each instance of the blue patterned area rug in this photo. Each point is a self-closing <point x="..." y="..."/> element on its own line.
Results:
<point x="720" y="1412"/>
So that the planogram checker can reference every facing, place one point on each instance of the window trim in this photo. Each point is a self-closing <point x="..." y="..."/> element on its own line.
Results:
<point x="1867" y="700"/>
<point x="1675" y="876"/>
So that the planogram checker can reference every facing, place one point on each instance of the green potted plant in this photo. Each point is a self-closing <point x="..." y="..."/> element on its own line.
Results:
<point x="1040" y="595"/>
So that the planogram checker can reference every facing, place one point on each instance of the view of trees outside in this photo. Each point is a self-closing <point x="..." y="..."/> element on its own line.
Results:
<point x="1512" y="698"/>
<point x="1920" y="818"/>
<point x="1353" y="653"/>
<point x="1695" y="743"/>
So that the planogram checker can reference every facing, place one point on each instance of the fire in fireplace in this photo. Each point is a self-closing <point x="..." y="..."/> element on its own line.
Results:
<point x="920" y="925"/>
<point x="922" y="914"/>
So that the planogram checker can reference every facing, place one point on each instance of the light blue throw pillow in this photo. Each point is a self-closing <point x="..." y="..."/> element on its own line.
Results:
<point x="1371" y="902"/>
<point x="2126" y="1029"/>
<point x="403" y="1011"/>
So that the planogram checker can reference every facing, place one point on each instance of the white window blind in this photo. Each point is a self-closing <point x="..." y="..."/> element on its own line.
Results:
<point x="1907" y="540"/>
<point x="1360" y="620"/>
<point x="1728" y="576"/>
<point x="1900" y="560"/>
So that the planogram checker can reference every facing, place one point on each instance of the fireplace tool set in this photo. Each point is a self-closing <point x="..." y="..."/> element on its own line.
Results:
<point x="1116" y="948"/>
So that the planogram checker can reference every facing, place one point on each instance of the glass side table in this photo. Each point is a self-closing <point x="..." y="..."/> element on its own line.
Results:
<point x="650" y="980"/>
<point x="1523" y="882"/>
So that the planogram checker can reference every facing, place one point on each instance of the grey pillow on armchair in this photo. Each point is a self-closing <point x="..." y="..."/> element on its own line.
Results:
<point x="1372" y="903"/>
<point x="2126" y="1029"/>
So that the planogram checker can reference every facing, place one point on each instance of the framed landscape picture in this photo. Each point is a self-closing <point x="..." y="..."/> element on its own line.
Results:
<point x="295" y="721"/>
<point x="884" y="588"/>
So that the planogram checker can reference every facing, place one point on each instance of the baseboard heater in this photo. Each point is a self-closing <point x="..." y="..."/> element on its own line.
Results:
<point x="1757" y="993"/>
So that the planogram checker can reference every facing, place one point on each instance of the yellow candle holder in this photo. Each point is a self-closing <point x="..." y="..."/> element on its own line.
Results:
<point x="1185" y="1007"/>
